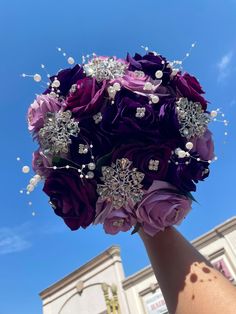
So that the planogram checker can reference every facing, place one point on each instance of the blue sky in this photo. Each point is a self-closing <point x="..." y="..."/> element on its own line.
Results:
<point x="37" y="251"/>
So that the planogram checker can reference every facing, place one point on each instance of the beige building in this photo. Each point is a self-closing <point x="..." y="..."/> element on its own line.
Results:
<point x="84" y="291"/>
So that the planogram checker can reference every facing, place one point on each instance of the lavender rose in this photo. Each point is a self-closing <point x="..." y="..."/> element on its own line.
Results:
<point x="114" y="220"/>
<point x="162" y="206"/>
<point x="118" y="220"/>
<point x="38" y="110"/>
<point x="72" y="199"/>
<point x="204" y="146"/>
<point x="41" y="163"/>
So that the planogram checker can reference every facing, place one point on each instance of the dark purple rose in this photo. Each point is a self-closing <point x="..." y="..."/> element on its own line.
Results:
<point x="123" y="120"/>
<point x="72" y="199"/>
<point x="189" y="87"/>
<point x="67" y="78"/>
<point x="150" y="64"/>
<point x="169" y="124"/>
<point x="185" y="176"/>
<point x="143" y="157"/>
<point x="88" y="97"/>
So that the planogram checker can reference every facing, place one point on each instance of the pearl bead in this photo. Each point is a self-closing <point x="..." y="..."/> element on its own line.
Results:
<point x="71" y="60"/>
<point x="33" y="181"/>
<point x="37" y="77"/>
<point x="91" y="166"/>
<point x="116" y="86"/>
<point x="158" y="74"/>
<point x="30" y="203"/>
<point x="177" y="150"/>
<point x="67" y="167"/>
<point x="18" y="158"/>
<point x="148" y="86"/>
<point x="30" y="187"/>
<point x="189" y="145"/>
<point x="37" y="177"/>
<point x="174" y="72"/>
<point x="81" y="176"/>
<point x="213" y="113"/>
<point x="26" y="169"/>
<point x="90" y="175"/>
<point x="155" y="99"/>
<point x="209" y="161"/>
<point x="54" y="167"/>
<point x="181" y="153"/>
<point x="215" y="158"/>
<point x="33" y="213"/>
<point x="198" y="159"/>
<point x="53" y="94"/>
<point x="21" y="191"/>
<point x="56" y="83"/>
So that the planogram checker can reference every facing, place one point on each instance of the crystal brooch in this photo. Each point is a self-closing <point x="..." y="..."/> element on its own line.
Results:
<point x="122" y="183"/>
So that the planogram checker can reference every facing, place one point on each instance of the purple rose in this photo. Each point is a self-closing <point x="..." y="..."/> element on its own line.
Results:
<point x="189" y="87"/>
<point x="204" y="146"/>
<point x="38" y="109"/>
<point x="150" y="64"/>
<point x="71" y="198"/>
<point x="162" y="206"/>
<point x="67" y="78"/>
<point x="152" y="160"/>
<point x="88" y="97"/>
<point x="185" y="176"/>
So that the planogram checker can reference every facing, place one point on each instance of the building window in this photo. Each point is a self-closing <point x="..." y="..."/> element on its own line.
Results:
<point x="221" y="266"/>
<point x="154" y="303"/>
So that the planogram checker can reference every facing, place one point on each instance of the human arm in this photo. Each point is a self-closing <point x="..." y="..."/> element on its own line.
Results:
<point x="189" y="283"/>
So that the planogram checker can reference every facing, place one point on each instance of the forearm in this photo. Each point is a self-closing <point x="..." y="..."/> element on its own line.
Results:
<point x="188" y="281"/>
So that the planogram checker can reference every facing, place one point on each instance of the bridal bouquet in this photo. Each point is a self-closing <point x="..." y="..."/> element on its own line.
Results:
<point x="122" y="142"/>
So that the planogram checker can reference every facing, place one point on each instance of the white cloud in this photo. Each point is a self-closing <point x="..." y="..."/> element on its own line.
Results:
<point x="12" y="241"/>
<point x="224" y="66"/>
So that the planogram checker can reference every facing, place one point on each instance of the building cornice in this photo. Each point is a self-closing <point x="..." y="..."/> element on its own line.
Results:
<point x="135" y="278"/>
<point x="78" y="273"/>
<point x="216" y="233"/>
